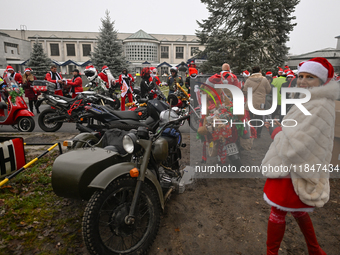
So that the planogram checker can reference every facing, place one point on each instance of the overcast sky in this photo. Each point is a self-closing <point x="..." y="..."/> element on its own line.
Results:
<point x="318" y="20"/>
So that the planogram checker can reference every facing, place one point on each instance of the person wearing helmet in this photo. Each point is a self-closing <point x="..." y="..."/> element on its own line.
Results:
<point x="91" y="73"/>
<point x="173" y="79"/>
<point x="146" y="84"/>
<point x="56" y="78"/>
<point x="128" y="79"/>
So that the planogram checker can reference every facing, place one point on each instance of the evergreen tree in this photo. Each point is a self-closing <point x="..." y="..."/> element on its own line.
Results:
<point x="108" y="50"/>
<point x="246" y="33"/>
<point x="39" y="62"/>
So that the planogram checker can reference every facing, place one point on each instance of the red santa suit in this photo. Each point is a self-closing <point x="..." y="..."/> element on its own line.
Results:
<point x="103" y="76"/>
<point x="128" y="79"/>
<point x="76" y="85"/>
<point x="13" y="77"/>
<point x="54" y="78"/>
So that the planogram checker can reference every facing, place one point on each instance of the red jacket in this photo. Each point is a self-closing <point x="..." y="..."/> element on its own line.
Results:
<point x="155" y="80"/>
<point x="76" y="83"/>
<point x="104" y="78"/>
<point x="49" y="78"/>
<point x="17" y="78"/>
<point x="121" y="79"/>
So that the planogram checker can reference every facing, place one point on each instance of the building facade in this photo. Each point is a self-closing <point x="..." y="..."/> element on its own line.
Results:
<point x="331" y="54"/>
<point x="70" y="50"/>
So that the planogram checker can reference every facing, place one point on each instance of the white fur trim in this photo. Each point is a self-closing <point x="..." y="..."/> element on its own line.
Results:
<point x="315" y="68"/>
<point x="286" y="209"/>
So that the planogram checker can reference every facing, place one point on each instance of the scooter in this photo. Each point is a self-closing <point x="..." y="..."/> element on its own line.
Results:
<point x="14" y="111"/>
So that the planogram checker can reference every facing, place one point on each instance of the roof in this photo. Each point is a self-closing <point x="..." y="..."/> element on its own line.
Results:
<point x="164" y="63"/>
<point x="140" y="34"/>
<point x="325" y="53"/>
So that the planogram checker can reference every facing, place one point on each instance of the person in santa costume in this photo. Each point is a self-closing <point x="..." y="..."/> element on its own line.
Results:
<point x="127" y="78"/>
<point x="27" y="80"/>
<point x="11" y="75"/>
<point x="192" y="75"/>
<point x="192" y="65"/>
<point x="279" y="72"/>
<point x="154" y="76"/>
<point x="76" y="84"/>
<point x="56" y="78"/>
<point x="106" y="76"/>
<point x="304" y="146"/>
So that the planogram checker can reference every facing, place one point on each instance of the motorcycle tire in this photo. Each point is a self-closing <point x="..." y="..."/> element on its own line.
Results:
<point x="194" y="121"/>
<point x="26" y="124"/>
<point x="48" y="127"/>
<point x="103" y="225"/>
<point x="115" y="105"/>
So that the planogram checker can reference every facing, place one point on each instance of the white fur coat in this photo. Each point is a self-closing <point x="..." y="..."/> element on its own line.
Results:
<point x="308" y="144"/>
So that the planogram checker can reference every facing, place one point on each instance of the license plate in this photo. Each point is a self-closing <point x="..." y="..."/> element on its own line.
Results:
<point x="231" y="149"/>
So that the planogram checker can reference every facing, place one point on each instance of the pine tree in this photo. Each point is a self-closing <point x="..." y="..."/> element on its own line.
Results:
<point x="246" y="33"/>
<point x="108" y="51"/>
<point x="39" y="62"/>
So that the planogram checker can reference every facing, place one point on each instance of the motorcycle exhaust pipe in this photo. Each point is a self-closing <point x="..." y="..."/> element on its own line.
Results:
<point x="55" y="118"/>
<point x="168" y="193"/>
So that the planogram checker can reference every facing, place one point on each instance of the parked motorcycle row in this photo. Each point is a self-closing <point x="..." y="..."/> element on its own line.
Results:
<point x="125" y="163"/>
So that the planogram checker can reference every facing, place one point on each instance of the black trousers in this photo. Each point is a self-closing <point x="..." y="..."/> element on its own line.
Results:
<point x="257" y="123"/>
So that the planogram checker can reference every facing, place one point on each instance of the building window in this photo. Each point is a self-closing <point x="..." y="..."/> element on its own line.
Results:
<point x="193" y="51"/>
<point x="141" y="51"/>
<point x="86" y="50"/>
<point x="11" y="47"/>
<point x="179" y="52"/>
<point x="164" y="69"/>
<point x="54" y="49"/>
<point x="164" y="51"/>
<point x="71" y="50"/>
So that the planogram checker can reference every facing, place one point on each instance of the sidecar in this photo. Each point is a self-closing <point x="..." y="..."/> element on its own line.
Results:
<point x="73" y="171"/>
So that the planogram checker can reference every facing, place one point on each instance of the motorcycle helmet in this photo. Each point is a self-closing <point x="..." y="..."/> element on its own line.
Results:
<point x="145" y="72"/>
<point x="90" y="73"/>
<point x="164" y="117"/>
<point x="174" y="69"/>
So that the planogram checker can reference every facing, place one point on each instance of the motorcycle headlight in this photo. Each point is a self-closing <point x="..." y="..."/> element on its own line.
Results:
<point x="130" y="143"/>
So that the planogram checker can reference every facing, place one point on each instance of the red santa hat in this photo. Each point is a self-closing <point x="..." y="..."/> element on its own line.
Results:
<point x="104" y="68"/>
<point x="280" y="69"/>
<point x="286" y="71"/>
<point x="90" y="67"/>
<point x="290" y="74"/>
<point x="287" y="67"/>
<point x="28" y="70"/>
<point x="269" y="73"/>
<point x="319" y="67"/>
<point x="153" y="70"/>
<point x="246" y="73"/>
<point x="192" y="70"/>
<point x="9" y="68"/>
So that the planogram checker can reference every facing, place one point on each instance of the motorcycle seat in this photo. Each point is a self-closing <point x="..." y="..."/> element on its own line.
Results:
<point x="143" y="100"/>
<point x="3" y="105"/>
<point x="127" y="115"/>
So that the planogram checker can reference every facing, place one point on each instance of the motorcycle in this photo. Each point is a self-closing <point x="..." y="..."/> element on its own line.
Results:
<point x="182" y="103"/>
<point x="63" y="109"/>
<point x="14" y="110"/>
<point x="126" y="192"/>
<point x="109" y="118"/>
<point x="103" y="92"/>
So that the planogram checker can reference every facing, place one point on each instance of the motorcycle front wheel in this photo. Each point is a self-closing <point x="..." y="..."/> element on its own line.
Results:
<point x="46" y="125"/>
<point x="104" y="229"/>
<point x="194" y="121"/>
<point x="115" y="105"/>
